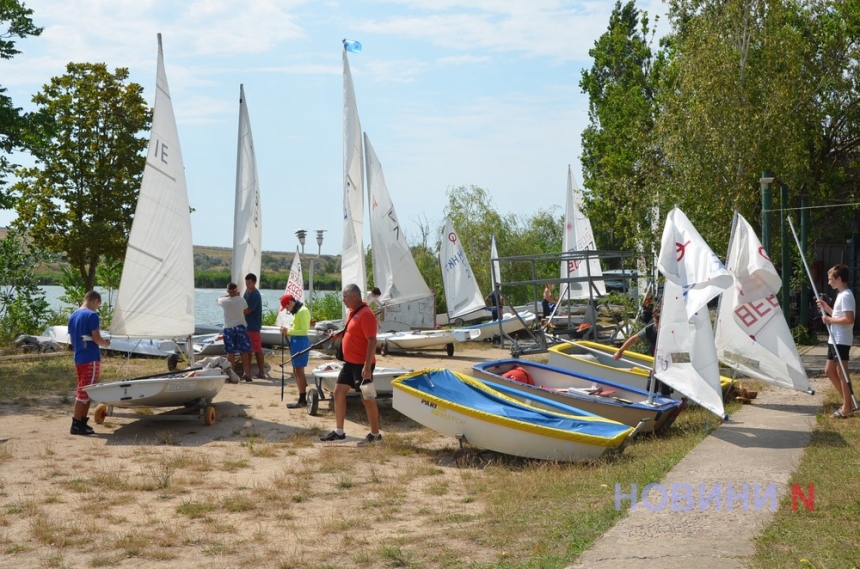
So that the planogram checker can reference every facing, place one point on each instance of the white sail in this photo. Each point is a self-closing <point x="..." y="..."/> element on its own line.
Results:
<point x="296" y="287"/>
<point x="462" y="294"/>
<point x="495" y="271"/>
<point x="686" y="357"/>
<point x="247" y="219"/>
<point x="156" y="293"/>
<point x="578" y="236"/>
<point x="752" y="335"/>
<point x="352" y="269"/>
<point x="394" y="270"/>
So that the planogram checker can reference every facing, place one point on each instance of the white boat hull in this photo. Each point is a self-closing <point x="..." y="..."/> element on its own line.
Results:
<point x="422" y="339"/>
<point x="510" y="324"/>
<point x="591" y="358"/>
<point x="272" y="338"/>
<point x="124" y="344"/>
<point x="171" y="391"/>
<point x="326" y="377"/>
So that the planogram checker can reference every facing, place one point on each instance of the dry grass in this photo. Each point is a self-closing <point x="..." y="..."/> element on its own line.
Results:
<point x="265" y="495"/>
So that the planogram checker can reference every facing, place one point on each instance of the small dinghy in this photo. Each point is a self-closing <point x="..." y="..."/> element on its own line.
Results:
<point x="423" y="339"/>
<point x="510" y="323"/>
<point x="621" y="403"/>
<point x="593" y="359"/>
<point x="500" y="419"/>
<point x="193" y="389"/>
<point x="325" y="378"/>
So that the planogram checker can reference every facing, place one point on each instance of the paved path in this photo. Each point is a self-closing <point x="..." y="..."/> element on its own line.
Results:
<point x="761" y="444"/>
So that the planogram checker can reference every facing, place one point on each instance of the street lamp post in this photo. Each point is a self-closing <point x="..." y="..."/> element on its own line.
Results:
<point x="301" y="233"/>
<point x="320" y="240"/>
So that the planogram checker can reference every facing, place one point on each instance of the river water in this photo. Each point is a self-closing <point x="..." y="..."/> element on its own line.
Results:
<point x="206" y="309"/>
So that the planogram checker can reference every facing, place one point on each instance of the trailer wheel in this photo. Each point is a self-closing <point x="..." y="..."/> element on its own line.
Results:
<point x="450" y="349"/>
<point x="313" y="402"/>
<point x="100" y="413"/>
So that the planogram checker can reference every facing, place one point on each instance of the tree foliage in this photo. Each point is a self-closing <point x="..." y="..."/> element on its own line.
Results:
<point x="738" y="87"/>
<point x="80" y="197"/>
<point x="23" y="308"/>
<point x="618" y="156"/>
<point x="15" y="22"/>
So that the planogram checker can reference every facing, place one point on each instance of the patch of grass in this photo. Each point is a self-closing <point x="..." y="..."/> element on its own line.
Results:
<point x="437" y="488"/>
<point x="821" y="537"/>
<point x="195" y="510"/>
<point x="6" y="451"/>
<point x="395" y="556"/>
<point x="167" y="438"/>
<point x="258" y="447"/>
<point x="239" y="502"/>
<point x="235" y="464"/>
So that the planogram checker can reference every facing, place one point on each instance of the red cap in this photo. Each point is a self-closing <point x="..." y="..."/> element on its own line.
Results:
<point x="286" y="299"/>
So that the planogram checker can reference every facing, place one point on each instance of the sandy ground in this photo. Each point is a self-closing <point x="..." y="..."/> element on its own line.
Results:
<point x="256" y="488"/>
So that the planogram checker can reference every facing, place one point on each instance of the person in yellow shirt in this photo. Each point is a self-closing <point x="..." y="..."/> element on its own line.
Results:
<point x="299" y="341"/>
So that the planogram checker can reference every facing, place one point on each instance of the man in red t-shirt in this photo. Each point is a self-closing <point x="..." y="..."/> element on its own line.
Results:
<point x="359" y="354"/>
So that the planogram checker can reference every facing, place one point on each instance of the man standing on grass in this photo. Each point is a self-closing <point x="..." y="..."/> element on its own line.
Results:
<point x="840" y="321"/>
<point x="254" y="318"/>
<point x="86" y="339"/>
<point x="359" y="353"/>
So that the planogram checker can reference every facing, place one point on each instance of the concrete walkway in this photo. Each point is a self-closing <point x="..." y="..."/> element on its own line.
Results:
<point x="760" y="445"/>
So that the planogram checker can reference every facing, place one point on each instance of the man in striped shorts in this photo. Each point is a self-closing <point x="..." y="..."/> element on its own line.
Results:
<point x="86" y="339"/>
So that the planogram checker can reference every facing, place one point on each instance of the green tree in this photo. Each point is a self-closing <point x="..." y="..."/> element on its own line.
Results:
<point x="23" y="308"/>
<point x="79" y="199"/>
<point x="476" y="220"/>
<point x="618" y="156"/>
<point x="15" y="22"/>
<point x="757" y="85"/>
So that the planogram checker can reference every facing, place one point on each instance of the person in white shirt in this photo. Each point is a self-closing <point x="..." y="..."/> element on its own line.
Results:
<point x="840" y="321"/>
<point x="235" y="332"/>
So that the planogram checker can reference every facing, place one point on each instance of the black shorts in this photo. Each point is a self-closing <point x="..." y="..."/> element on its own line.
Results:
<point x="843" y="352"/>
<point x="350" y="374"/>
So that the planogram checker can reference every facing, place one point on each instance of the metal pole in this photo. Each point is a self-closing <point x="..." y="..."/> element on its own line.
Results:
<point x="829" y="335"/>
<point x="311" y="282"/>
<point x="786" y="258"/>
<point x="766" y="204"/>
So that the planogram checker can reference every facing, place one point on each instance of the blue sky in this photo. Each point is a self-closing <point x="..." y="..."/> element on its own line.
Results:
<point x="450" y="92"/>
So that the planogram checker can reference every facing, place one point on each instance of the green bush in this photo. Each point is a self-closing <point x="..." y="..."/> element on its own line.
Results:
<point x="325" y="306"/>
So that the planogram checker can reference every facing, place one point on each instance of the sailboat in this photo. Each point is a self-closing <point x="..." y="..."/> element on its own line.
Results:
<point x="686" y="357"/>
<point x="752" y="335"/>
<point x="578" y="236"/>
<point x="409" y="302"/>
<point x="586" y="274"/>
<point x="352" y="269"/>
<point x="156" y="293"/>
<point x="247" y="218"/>
<point x="271" y="335"/>
<point x="247" y="221"/>
<point x="462" y="294"/>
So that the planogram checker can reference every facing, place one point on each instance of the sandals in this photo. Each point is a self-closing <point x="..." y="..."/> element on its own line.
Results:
<point x="838" y="414"/>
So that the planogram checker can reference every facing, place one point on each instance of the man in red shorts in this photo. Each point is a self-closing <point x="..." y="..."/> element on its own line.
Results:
<point x="86" y="339"/>
<point x="359" y="354"/>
